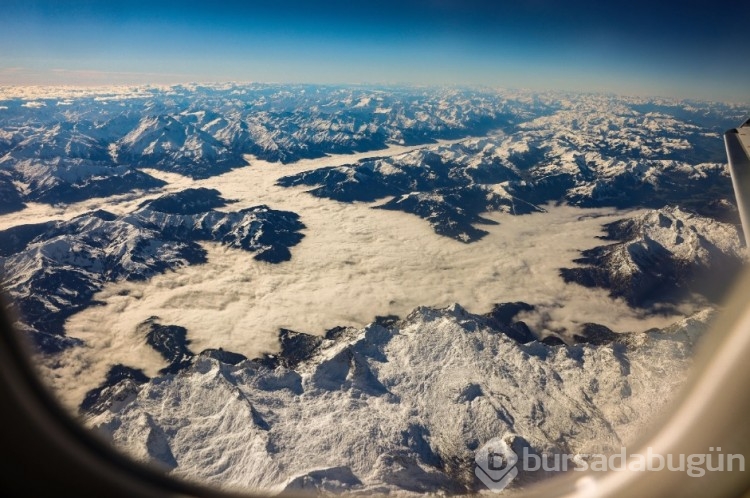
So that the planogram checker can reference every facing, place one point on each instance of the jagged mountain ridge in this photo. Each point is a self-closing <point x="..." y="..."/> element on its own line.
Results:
<point x="77" y="148"/>
<point x="449" y="186"/>
<point x="201" y="131"/>
<point x="590" y="152"/>
<point x="53" y="269"/>
<point x="165" y="142"/>
<point x="66" y="162"/>
<point x="662" y="255"/>
<point x="402" y="425"/>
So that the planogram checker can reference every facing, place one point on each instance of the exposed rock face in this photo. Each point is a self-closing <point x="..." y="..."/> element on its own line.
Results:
<point x="661" y="256"/>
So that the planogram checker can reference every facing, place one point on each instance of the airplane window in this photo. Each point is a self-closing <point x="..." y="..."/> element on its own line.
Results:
<point x="425" y="247"/>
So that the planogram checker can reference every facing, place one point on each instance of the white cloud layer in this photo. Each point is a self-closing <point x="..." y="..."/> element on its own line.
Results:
<point x="353" y="264"/>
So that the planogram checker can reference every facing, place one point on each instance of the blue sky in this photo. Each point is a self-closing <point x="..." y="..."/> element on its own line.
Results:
<point x="685" y="49"/>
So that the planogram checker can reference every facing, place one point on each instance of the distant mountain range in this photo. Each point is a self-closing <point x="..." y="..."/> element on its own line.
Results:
<point x="592" y="152"/>
<point x="60" y="150"/>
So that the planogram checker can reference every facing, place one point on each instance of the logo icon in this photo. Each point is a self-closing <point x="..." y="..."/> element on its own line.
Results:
<point x="496" y="464"/>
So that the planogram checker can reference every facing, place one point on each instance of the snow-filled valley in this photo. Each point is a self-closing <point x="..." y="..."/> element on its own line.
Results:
<point x="214" y="276"/>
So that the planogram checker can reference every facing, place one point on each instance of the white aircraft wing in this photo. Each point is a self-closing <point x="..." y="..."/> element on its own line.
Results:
<point x="737" y="142"/>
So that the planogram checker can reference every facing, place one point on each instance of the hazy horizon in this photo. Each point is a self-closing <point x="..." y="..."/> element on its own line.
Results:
<point x="685" y="50"/>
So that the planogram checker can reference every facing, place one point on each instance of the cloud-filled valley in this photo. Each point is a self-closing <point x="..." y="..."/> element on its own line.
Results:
<point x="167" y="235"/>
<point x="353" y="264"/>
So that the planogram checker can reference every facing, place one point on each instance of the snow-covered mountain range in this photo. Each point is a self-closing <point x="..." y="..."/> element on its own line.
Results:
<point x="65" y="150"/>
<point x="397" y="406"/>
<point x="593" y="152"/>
<point x="53" y="269"/>
<point x="401" y="404"/>
<point x="661" y="256"/>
